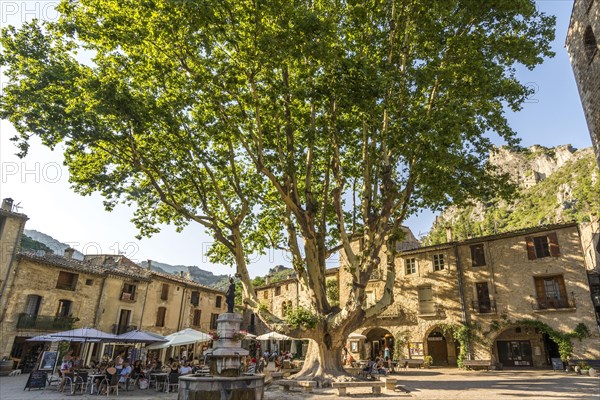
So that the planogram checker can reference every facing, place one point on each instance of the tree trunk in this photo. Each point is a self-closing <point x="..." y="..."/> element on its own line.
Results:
<point x="322" y="364"/>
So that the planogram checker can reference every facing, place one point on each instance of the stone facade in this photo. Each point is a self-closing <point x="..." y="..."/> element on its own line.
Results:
<point x="48" y="293"/>
<point x="503" y="286"/>
<point x="287" y="294"/>
<point x="583" y="45"/>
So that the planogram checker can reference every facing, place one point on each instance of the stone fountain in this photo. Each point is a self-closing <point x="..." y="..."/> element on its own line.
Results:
<point x="224" y="359"/>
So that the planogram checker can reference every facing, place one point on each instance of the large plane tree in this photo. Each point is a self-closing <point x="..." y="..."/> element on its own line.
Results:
<point x="313" y="126"/>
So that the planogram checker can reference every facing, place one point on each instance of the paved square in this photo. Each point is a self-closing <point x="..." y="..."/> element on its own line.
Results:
<point x="436" y="383"/>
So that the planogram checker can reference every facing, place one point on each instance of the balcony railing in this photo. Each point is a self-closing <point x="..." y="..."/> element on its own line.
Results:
<point x="44" y="322"/>
<point x="484" y="307"/>
<point x="545" y="303"/>
<point x="119" y="329"/>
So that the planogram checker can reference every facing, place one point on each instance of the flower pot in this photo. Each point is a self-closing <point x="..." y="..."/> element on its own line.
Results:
<point x="593" y="372"/>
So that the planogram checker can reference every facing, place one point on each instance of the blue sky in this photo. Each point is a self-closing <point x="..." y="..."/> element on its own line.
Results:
<point x="552" y="116"/>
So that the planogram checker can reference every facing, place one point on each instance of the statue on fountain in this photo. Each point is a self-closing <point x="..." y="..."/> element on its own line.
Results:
<point x="230" y="296"/>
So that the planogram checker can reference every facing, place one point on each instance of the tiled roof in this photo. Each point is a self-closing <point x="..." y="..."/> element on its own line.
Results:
<point x="126" y="271"/>
<point x="109" y="265"/>
<point x="504" y="235"/>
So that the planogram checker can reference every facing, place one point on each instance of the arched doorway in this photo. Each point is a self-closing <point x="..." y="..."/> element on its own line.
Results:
<point x="437" y="348"/>
<point x="380" y="342"/>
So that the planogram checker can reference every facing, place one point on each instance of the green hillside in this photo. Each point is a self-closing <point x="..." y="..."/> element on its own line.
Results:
<point x="29" y="244"/>
<point x="570" y="193"/>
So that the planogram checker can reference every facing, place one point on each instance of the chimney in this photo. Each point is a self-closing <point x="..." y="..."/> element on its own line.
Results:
<point x="267" y="279"/>
<point x="7" y="204"/>
<point x="149" y="264"/>
<point x="448" y="234"/>
<point x="69" y="253"/>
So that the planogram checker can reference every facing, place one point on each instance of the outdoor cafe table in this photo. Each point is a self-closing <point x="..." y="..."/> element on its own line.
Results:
<point x="92" y="381"/>
<point x="159" y="376"/>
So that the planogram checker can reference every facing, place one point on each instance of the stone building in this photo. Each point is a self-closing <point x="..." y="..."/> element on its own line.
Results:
<point x="583" y="40"/>
<point x="44" y="293"/>
<point x="512" y="291"/>
<point x="284" y="295"/>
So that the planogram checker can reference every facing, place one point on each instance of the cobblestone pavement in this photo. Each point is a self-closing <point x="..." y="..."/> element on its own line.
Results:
<point x="441" y="383"/>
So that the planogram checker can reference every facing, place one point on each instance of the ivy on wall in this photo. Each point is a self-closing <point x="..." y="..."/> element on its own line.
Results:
<point x="563" y="340"/>
<point x="400" y="343"/>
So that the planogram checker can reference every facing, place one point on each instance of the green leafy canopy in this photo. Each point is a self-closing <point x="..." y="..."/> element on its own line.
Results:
<point x="301" y="125"/>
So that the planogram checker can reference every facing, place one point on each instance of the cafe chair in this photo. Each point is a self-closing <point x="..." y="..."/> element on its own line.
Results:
<point x="112" y="384"/>
<point x="80" y="382"/>
<point x="173" y="382"/>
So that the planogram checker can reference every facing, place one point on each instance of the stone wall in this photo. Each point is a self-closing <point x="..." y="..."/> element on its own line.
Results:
<point x="586" y="62"/>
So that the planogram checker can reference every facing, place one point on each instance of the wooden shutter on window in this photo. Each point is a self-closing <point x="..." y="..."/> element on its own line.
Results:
<point x="553" y="243"/>
<point x="530" y="248"/>
<point x="561" y="287"/>
<point x="540" y="290"/>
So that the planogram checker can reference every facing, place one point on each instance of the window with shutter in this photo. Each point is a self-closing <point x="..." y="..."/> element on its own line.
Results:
<point x="128" y="292"/>
<point x="32" y="306"/>
<point x="551" y="292"/>
<point x="197" y="316"/>
<point x="278" y="291"/>
<point x="160" y="316"/>
<point x="477" y="255"/>
<point x="164" y="293"/>
<point x="66" y="281"/>
<point x="64" y="308"/>
<point x="553" y="244"/>
<point x="195" y="300"/>
<point x="426" y="304"/>
<point x="411" y="265"/>
<point x="438" y="262"/>
<point x="542" y="246"/>
<point x="213" y="321"/>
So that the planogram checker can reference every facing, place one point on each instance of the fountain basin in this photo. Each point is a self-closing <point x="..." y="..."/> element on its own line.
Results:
<point x="250" y="387"/>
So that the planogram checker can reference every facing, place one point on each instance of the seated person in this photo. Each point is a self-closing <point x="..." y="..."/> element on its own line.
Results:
<point x="108" y="374"/>
<point x="278" y="363"/>
<point x="380" y="368"/>
<point x="185" y="369"/>
<point x="350" y="360"/>
<point x="125" y="372"/>
<point x="66" y="367"/>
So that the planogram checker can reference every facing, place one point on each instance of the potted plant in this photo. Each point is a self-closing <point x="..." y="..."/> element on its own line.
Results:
<point x="427" y="361"/>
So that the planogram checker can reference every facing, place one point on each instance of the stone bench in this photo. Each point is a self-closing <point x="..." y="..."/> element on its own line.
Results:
<point x="414" y="362"/>
<point x="308" y="386"/>
<point x="277" y="375"/>
<point x="390" y="383"/>
<point x="342" y="386"/>
<point x="472" y="364"/>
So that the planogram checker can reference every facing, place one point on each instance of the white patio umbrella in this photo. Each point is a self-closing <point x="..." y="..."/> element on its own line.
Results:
<point x="250" y="336"/>
<point x="273" y="336"/>
<point x="48" y="338"/>
<point x="87" y="334"/>
<point x="139" y="336"/>
<point x="181" y="338"/>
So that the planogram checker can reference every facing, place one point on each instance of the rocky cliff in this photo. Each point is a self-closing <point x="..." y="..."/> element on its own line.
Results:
<point x="555" y="185"/>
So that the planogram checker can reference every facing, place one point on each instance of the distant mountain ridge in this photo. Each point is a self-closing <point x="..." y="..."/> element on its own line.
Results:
<point x="40" y="241"/>
<point x="56" y="246"/>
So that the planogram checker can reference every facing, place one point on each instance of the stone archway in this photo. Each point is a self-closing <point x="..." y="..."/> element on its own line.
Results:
<point x="379" y="342"/>
<point x="442" y="348"/>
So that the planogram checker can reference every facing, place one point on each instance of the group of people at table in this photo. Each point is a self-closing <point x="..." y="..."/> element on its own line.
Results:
<point x="139" y="373"/>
